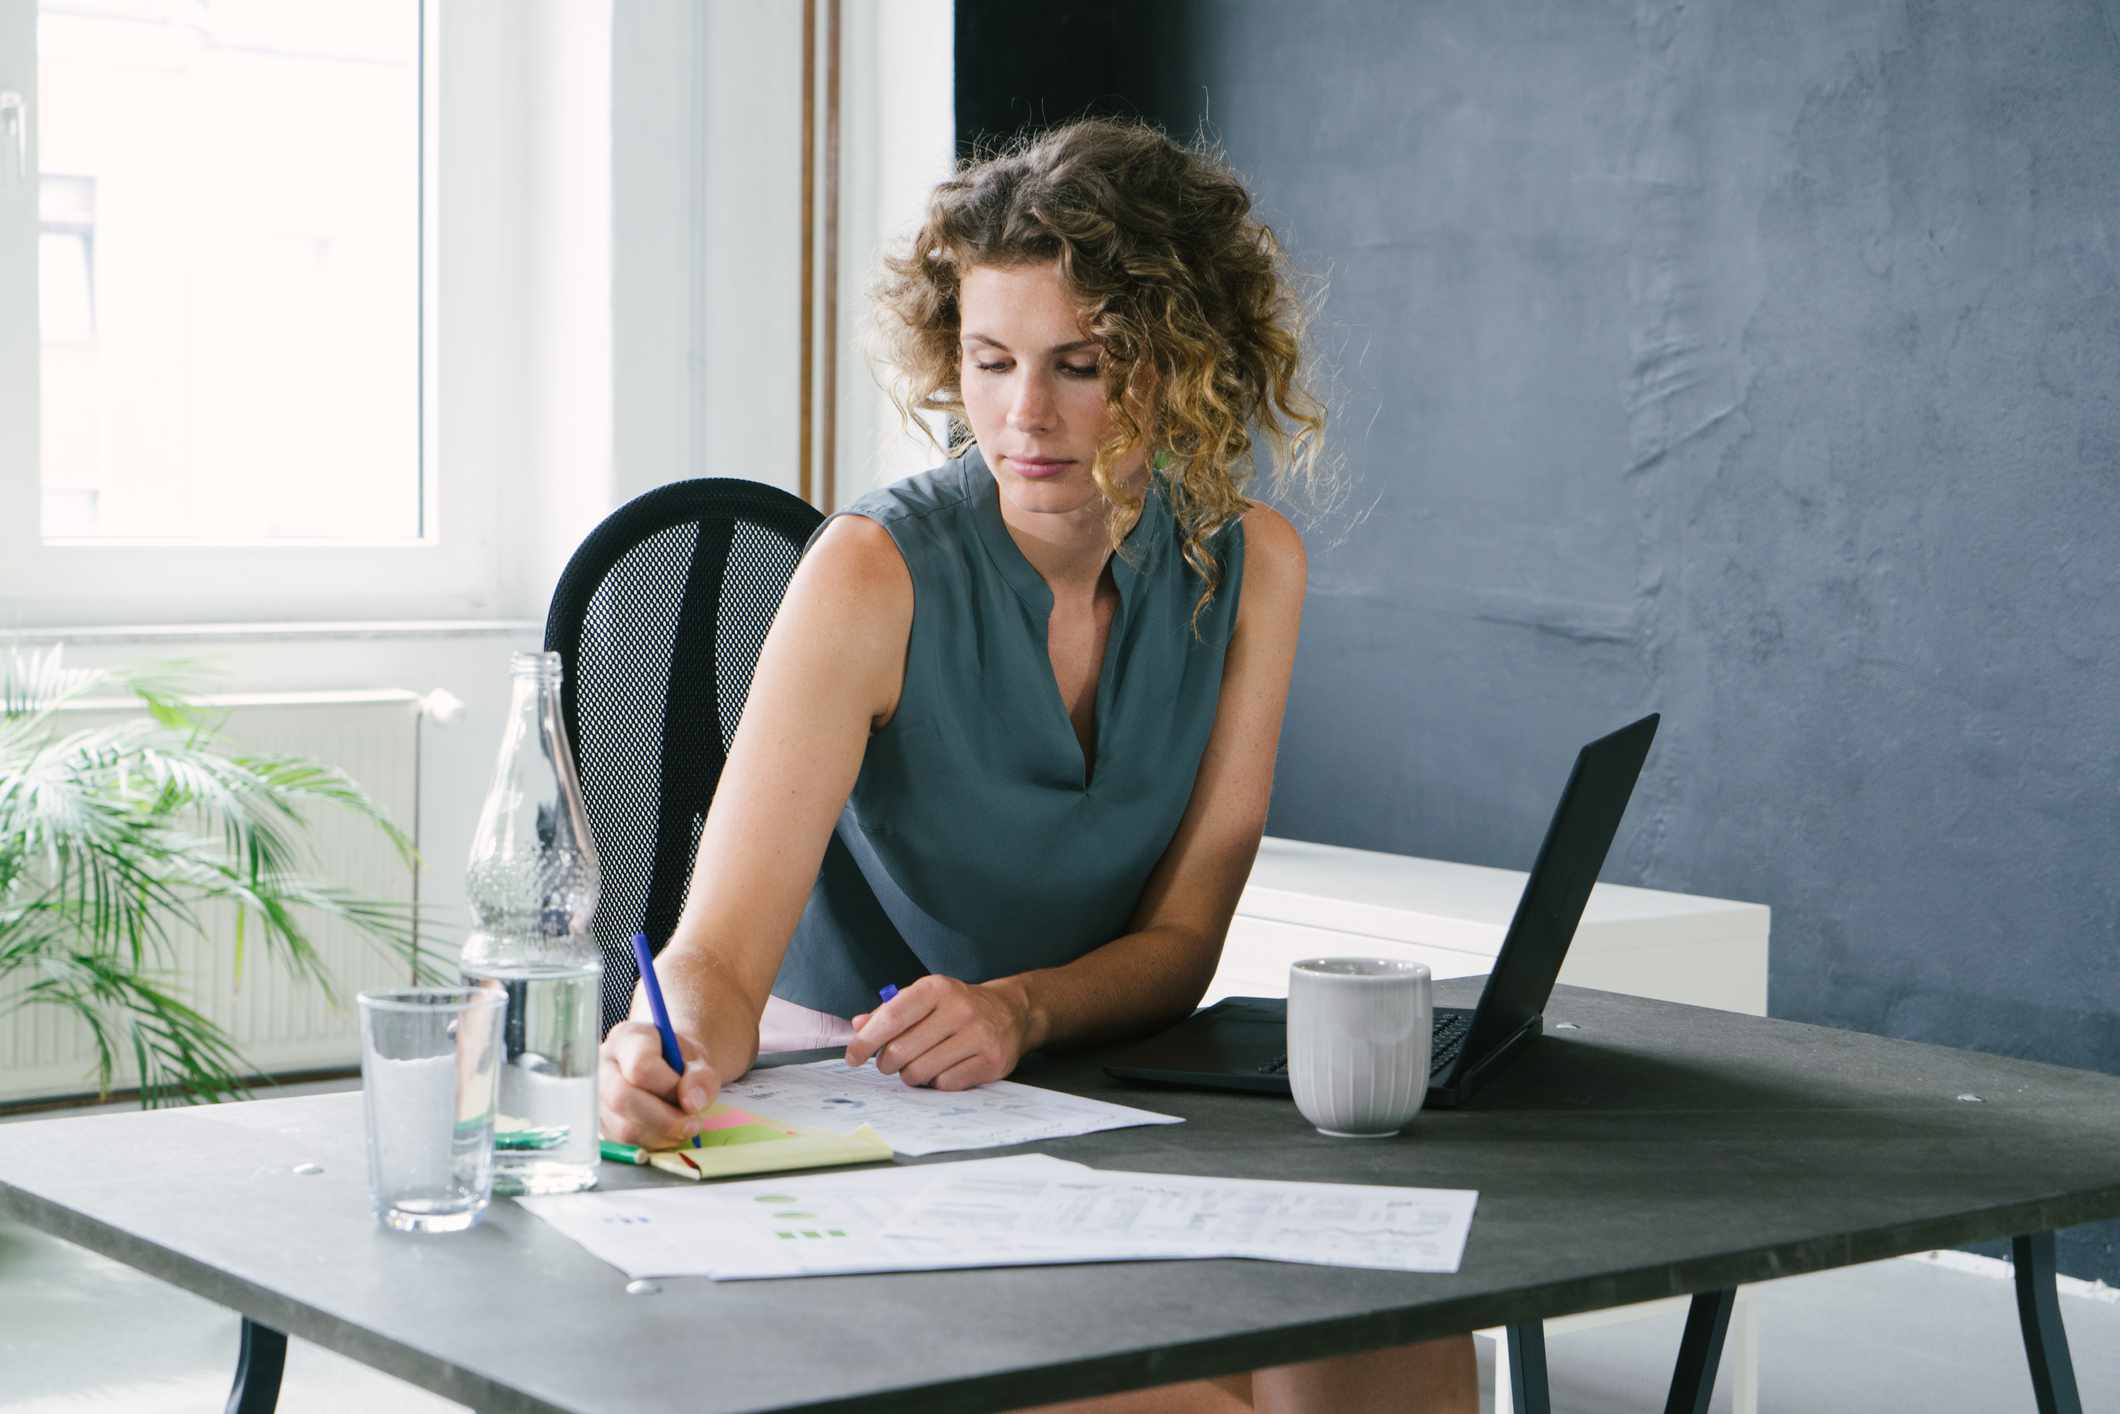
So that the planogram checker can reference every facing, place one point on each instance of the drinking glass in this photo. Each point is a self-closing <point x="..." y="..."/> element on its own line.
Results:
<point x="429" y="1072"/>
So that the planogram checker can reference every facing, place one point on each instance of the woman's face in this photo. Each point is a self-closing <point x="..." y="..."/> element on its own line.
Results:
<point x="1034" y="389"/>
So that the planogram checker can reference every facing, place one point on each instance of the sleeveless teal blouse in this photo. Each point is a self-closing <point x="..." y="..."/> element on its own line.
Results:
<point x="977" y="841"/>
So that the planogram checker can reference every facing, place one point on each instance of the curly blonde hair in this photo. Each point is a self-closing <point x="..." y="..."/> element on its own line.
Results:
<point x="1187" y="292"/>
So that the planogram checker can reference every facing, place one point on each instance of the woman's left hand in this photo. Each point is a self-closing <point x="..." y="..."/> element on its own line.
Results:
<point x="942" y="1032"/>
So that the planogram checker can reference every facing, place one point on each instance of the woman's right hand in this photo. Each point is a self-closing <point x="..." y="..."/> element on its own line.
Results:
<point x="639" y="1099"/>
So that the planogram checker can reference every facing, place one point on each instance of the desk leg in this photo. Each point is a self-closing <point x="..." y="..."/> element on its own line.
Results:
<point x="1699" y="1352"/>
<point x="258" y="1365"/>
<point x="2039" y="1312"/>
<point x="1527" y="1369"/>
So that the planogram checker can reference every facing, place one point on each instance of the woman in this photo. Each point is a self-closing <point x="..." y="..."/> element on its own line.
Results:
<point x="1010" y="742"/>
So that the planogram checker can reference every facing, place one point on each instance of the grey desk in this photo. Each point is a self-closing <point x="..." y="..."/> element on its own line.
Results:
<point x="1658" y="1150"/>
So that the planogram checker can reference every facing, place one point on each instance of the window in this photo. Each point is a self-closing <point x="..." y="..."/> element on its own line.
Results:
<point x="66" y="261"/>
<point x="220" y="323"/>
<point x="240" y="184"/>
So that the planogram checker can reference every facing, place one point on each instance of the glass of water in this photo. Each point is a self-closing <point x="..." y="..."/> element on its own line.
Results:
<point x="430" y="1067"/>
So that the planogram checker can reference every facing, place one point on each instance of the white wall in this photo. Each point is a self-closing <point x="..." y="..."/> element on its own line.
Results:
<point x="898" y="138"/>
<point x="707" y="208"/>
<point x="567" y="304"/>
<point x="749" y="251"/>
<point x="657" y="222"/>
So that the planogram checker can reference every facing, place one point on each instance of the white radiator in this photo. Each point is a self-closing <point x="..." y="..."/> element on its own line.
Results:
<point x="282" y="1024"/>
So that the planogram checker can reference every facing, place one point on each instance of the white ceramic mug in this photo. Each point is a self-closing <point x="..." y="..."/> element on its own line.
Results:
<point x="1358" y="1043"/>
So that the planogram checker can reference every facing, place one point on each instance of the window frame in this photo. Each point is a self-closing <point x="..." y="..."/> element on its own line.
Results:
<point x="470" y="81"/>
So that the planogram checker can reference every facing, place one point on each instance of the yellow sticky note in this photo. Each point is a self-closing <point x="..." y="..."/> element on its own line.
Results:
<point x="741" y="1143"/>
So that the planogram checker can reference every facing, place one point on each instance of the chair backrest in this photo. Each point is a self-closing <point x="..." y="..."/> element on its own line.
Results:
<point x="659" y="619"/>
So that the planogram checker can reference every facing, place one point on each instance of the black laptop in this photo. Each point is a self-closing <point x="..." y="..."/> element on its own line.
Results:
<point x="1241" y="1043"/>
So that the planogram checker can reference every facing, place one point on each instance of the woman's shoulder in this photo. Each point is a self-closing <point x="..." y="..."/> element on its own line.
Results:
<point x="913" y="498"/>
<point x="872" y="543"/>
<point x="905" y="529"/>
<point x="1276" y="566"/>
<point x="856" y="564"/>
<point x="1270" y="534"/>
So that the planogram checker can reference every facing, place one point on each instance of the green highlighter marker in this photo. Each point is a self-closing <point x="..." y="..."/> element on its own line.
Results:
<point x="619" y="1153"/>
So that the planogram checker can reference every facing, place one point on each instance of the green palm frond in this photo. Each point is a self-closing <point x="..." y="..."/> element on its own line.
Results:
<point x="34" y="680"/>
<point x="178" y="1051"/>
<point x="36" y="683"/>
<point x="121" y="841"/>
<point x="298" y="779"/>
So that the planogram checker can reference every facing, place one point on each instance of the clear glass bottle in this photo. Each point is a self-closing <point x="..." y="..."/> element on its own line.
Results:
<point x="532" y="884"/>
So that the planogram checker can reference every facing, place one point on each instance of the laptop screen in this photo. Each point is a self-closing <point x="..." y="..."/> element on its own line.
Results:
<point x="1576" y="843"/>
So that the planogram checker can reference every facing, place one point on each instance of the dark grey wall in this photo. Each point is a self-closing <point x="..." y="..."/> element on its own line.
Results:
<point x="1027" y="66"/>
<point x="1757" y="362"/>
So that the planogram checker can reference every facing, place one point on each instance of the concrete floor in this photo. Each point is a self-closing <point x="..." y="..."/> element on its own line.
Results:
<point x="81" y="1334"/>
<point x="1908" y="1334"/>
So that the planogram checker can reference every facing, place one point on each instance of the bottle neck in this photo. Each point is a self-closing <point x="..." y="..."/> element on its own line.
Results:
<point x="532" y="879"/>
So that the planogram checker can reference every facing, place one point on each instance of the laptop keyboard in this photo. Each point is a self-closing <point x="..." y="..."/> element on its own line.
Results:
<point x="1450" y="1028"/>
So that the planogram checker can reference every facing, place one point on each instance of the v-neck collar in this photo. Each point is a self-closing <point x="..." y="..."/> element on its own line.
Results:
<point x="1135" y="558"/>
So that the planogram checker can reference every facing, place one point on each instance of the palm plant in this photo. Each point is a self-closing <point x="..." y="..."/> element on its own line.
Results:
<point x="119" y="842"/>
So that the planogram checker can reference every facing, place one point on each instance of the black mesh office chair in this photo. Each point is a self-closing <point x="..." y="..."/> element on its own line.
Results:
<point x="658" y="620"/>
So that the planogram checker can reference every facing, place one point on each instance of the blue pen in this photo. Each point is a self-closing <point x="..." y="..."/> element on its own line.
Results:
<point x="672" y="1057"/>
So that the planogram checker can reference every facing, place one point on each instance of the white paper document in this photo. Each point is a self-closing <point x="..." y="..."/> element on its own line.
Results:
<point x="914" y="1120"/>
<point x="1028" y="1209"/>
<point x="1111" y="1216"/>
<point x="821" y="1225"/>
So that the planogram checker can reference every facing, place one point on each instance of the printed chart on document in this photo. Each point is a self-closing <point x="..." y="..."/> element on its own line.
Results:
<point x="831" y="1095"/>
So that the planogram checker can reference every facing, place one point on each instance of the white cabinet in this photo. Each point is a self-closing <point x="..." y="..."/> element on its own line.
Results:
<point x="1257" y="952"/>
<point x="1310" y="900"/>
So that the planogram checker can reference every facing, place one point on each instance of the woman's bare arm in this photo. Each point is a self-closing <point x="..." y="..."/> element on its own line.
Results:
<point x="829" y="674"/>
